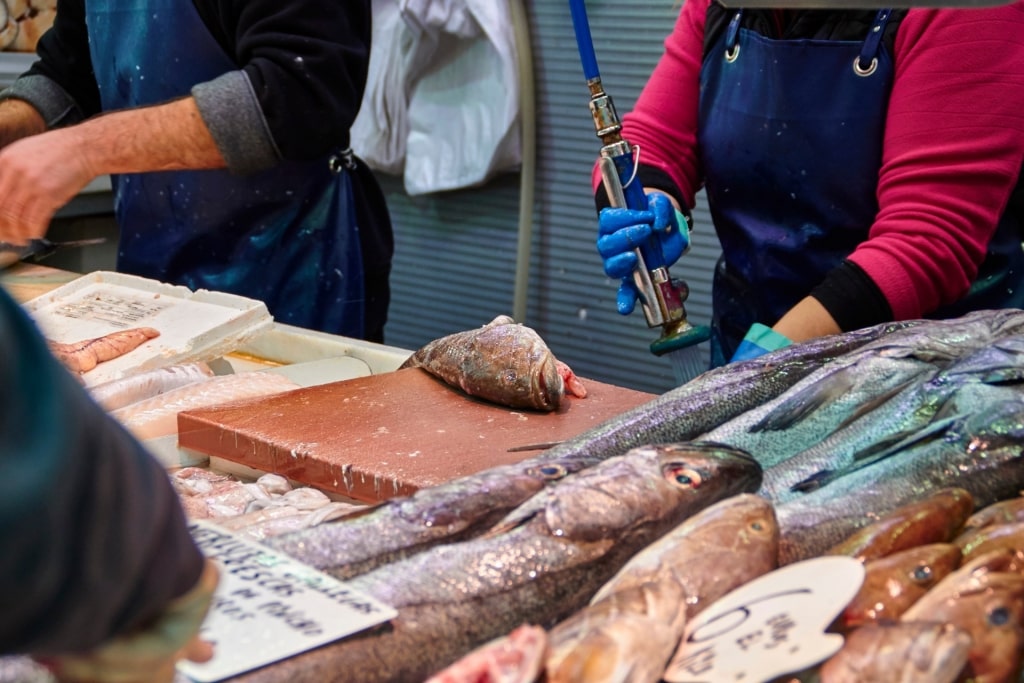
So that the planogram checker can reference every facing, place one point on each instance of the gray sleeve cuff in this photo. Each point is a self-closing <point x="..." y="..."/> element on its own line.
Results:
<point x="53" y="103"/>
<point x="232" y="112"/>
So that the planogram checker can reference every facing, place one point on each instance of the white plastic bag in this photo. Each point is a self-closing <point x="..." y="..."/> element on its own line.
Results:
<point x="442" y="100"/>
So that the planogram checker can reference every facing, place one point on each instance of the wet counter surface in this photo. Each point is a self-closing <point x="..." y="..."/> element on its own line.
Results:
<point x="386" y="435"/>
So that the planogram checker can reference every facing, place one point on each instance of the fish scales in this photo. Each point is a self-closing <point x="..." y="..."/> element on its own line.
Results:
<point x="906" y="416"/>
<point x="816" y="406"/>
<point x="718" y="395"/>
<point x="455" y="597"/>
<point x="503" y="362"/>
<point x="980" y="453"/>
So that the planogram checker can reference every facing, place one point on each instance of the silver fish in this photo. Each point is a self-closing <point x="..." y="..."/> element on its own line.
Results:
<point x="718" y="395"/>
<point x="455" y="597"/>
<point x="980" y="453"/>
<point x="909" y="416"/>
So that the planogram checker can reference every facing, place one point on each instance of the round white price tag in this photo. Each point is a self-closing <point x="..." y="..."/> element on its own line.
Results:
<point x="769" y="627"/>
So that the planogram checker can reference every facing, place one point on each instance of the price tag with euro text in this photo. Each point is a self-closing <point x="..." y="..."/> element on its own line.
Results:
<point x="772" y="626"/>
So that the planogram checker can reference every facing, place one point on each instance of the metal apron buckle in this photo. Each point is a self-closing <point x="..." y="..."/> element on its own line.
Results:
<point x="343" y="160"/>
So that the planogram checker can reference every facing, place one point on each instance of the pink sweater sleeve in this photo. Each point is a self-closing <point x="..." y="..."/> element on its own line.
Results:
<point x="664" y="121"/>
<point x="953" y="149"/>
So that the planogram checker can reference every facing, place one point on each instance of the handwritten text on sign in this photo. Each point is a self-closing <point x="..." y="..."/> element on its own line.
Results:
<point x="771" y="626"/>
<point x="268" y="607"/>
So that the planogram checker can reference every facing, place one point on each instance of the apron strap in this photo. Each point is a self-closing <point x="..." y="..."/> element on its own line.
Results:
<point x="732" y="35"/>
<point x="867" y="62"/>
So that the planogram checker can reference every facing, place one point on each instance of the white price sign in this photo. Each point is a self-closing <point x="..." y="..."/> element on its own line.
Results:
<point x="769" y="627"/>
<point x="268" y="607"/>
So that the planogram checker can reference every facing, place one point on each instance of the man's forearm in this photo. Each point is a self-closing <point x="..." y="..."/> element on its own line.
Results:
<point x="165" y="137"/>
<point x="18" y="119"/>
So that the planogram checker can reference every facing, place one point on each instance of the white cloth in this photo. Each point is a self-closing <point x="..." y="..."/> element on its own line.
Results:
<point x="382" y="126"/>
<point x="456" y="112"/>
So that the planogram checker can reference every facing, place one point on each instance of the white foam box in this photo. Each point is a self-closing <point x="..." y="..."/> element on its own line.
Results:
<point x="193" y="326"/>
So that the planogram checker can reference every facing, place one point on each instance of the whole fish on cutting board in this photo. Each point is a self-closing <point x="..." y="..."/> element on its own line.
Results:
<point x="502" y="362"/>
<point x="534" y="568"/>
<point x="83" y="356"/>
<point x="980" y="453"/>
<point x="634" y="623"/>
<point x="461" y="508"/>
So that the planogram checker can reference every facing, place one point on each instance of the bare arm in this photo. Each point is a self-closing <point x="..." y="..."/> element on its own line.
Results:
<point x="807" y="320"/>
<point x="41" y="173"/>
<point x="18" y="120"/>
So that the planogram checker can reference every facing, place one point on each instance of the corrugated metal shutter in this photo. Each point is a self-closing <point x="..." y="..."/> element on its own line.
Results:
<point x="455" y="252"/>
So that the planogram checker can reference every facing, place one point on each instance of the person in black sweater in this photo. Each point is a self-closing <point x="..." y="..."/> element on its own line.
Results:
<point x="225" y="127"/>
<point x="99" y="576"/>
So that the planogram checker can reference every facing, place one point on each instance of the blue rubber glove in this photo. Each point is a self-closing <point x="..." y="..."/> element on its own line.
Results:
<point x="759" y="341"/>
<point x="620" y="231"/>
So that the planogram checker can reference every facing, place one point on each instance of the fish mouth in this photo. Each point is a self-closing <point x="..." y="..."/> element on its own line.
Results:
<point x="549" y="385"/>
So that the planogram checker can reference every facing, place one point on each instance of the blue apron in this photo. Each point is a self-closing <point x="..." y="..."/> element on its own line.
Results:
<point x="286" y="236"/>
<point x="777" y="119"/>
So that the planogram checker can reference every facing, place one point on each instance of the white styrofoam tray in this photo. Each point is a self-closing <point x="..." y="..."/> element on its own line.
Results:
<point x="193" y="326"/>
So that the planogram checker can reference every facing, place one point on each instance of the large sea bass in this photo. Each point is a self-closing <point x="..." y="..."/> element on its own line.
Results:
<point x="540" y="565"/>
<point x="980" y="453"/>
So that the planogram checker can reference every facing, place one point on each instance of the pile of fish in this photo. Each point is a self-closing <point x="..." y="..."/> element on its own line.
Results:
<point x="147" y="403"/>
<point x="268" y="506"/>
<point x="899" y="445"/>
<point x="834" y="435"/>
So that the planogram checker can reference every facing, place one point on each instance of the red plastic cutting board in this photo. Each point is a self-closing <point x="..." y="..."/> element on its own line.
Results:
<point x="386" y="435"/>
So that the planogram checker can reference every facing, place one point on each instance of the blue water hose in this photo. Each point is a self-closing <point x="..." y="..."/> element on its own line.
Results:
<point x="584" y="42"/>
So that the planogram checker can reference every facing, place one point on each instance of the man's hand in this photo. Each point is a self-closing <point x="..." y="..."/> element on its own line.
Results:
<point x="38" y="175"/>
<point x="148" y="655"/>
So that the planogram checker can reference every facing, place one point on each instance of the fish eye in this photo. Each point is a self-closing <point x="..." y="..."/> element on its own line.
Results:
<point x="922" y="573"/>
<point x="756" y="526"/>
<point x="550" y="472"/>
<point x="685" y="476"/>
<point x="1000" y="616"/>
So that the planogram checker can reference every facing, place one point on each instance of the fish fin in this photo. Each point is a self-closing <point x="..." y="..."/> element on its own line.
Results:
<point x="874" y="402"/>
<point x="1004" y="376"/>
<point x="813" y="482"/>
<point x="900" y="441"/>
<point x="509" y="523"/>
<point x="806" y="401"/>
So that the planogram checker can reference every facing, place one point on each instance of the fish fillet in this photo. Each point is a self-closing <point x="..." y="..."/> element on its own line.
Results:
<point x="83" y="356"/>
<point x="158" y="416"/>
<point x="118" y="393"/>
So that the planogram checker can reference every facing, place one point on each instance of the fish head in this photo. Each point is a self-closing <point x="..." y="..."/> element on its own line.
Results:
<point x="522" y="365"/>
<point x="893" y="583"/>
<point x="992" y="612"/>
<point x="657" y="484"/>
<point x="1003" y="512"/>
<point x="700" y="465"/>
